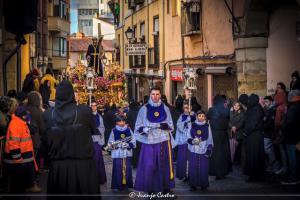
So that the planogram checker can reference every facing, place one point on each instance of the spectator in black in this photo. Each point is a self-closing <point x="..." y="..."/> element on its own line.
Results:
<point x="109" y="121"/>
<point x="34" y="106"/>
<point x="218" y="116"/>
<point x="131" y="119"/>
<point x="22" y="98"/>
<point x="12" y="93"/>
<point x="195" y="105"/>
<point x="146" y="99"/>
<point x="295" y="82"/>
<point x="273" y="165"/>
<point x="236" y="123"/>
<point x="31" y="82"/>
<point x="254" y="166"/>
<point x="179" y="103"/>
<point x="243" y="99"/>
<point x="291" y="136"/>
<point x="45" y="93"/>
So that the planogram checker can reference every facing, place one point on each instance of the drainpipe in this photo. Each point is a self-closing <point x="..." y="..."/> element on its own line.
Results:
<point x="20" y="41"/>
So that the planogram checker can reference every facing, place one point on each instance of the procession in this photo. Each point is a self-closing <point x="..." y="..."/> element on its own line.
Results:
<point x="159" y="99"/>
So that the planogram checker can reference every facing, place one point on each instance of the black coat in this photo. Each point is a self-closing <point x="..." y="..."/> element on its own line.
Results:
<point x="254" y="142"/>
<point x="291" y="124"/>
<point x="109" y="120"/>
<point x="68" y="138"/>
<point x="269" y="122"/>
<point x="237" y="119"/>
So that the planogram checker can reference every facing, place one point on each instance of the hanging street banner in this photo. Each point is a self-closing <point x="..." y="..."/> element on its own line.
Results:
<point x="135" y="49"/>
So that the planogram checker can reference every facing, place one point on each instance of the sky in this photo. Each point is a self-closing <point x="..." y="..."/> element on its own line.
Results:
<point x="74" y="17"/>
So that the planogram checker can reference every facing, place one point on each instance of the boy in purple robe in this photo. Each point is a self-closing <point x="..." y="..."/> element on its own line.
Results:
<point x="98" y="142"/>
<point x="121" y="142"/>
<point x="153" y="129"/>
<point x="200" y="147"/>
<point x="183" y="124"/>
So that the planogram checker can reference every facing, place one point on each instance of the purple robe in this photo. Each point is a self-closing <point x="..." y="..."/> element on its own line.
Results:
<point x="198" y="170"/>
<point x="153" y="173"/>
<point x="199" y="154"/>
<point x="117" y="174"/>
<point x="98" y="157"/>
<point x="181" y="163"/>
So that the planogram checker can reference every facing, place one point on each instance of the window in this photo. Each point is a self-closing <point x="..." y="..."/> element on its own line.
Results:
<point x="155" y="24"/>
<point x="191" y="18"/>
<point x="142" y="29"/>
<point x="168" y="6"/>
<point x="174" y="8"/>
<point x="60" y="9"/>
<point x="154" y="52"/>
<point x="59" y="47"/>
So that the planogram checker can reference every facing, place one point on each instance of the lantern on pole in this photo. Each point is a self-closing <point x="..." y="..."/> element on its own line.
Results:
<point x="90" y="76"/>
<point x="190" y="76"/>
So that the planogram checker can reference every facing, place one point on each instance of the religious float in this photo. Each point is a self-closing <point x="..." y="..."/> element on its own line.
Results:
<point x="109" y="89"/>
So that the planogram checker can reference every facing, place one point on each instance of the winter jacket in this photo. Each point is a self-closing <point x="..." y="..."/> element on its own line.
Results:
<point x="18" y="147"/>
<point x="291" y="124"/>
<point x="237" y="119"/>
<point x="280" y="99"/>
<point x="269" y="120"/>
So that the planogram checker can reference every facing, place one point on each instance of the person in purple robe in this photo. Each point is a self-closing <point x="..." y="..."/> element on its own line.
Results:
<point x="121" y="142"/>
<point x="153" y="129"/>
<point x="183" y="124"/>
<point x="98" y="142"/>
<point x="200" y="148"/>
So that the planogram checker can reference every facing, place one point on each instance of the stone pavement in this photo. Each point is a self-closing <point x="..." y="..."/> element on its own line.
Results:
<point x="234" y="186"/>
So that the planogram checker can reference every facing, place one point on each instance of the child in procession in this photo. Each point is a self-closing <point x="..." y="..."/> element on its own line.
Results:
<point x="184" y="122"/>
<point x="121" y="142"/>
<point x="200" y="148"/>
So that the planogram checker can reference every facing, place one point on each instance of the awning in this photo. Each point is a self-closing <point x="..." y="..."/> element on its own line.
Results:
<point x="219" y="70"/>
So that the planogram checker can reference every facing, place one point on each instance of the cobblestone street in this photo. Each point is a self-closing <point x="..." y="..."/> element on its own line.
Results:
<point x="234" y="186"/>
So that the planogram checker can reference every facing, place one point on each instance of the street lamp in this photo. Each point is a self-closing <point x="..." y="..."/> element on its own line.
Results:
<point x="129" y="34"/>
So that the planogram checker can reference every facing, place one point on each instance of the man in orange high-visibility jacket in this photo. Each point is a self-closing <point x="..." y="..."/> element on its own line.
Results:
<point x="19" y="156"/>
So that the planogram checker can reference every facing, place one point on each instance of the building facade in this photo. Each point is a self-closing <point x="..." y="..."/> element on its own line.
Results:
<point x="233" y="46"/>
<point x="86" y="11"/>
<point x="59" y="30"/>
<point x="145" y="18"/>
<point x="78" y="46"/>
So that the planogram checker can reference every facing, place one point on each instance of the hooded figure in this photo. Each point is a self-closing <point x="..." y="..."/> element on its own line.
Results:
<point x="68" y="138"/>
<point x="254" y="144"/>
<point x="218" y="116"/>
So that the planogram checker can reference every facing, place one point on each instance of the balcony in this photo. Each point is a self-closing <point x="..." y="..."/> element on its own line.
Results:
<point x="191" y="18"/>
<point x="57" y="24"/>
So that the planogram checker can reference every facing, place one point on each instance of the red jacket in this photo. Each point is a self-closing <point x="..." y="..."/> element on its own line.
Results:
<point x="281" y="103"/>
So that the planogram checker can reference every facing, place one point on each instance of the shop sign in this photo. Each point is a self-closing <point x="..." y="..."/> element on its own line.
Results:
<point x="135" y="49"/>
<point x="176" y="73"/>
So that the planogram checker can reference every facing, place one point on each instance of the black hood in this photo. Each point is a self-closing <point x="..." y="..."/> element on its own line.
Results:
<point x="253" y="100"/>
<point x="243" y="98"/>
<point x="65" y="104"/>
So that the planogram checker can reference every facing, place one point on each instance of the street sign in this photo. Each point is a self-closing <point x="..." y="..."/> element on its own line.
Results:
<point x="135" y="49"/>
